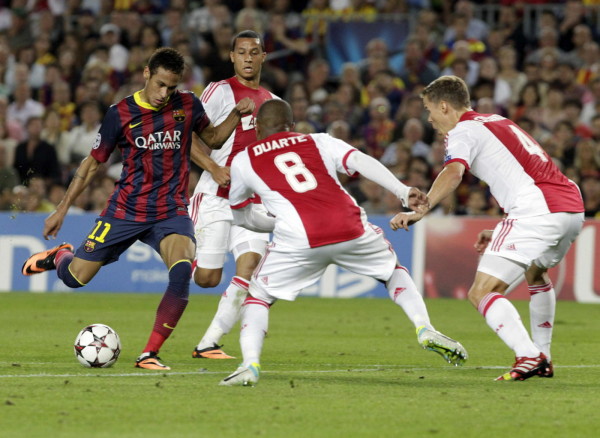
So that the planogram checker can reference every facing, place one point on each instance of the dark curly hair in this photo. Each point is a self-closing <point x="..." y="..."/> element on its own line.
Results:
<point x="167" y="58"/>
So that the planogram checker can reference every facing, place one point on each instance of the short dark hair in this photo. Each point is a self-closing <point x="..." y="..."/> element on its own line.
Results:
<point x="248" y="34"/>
<point x="451" y="89"/>
<point x="167" y="58"/>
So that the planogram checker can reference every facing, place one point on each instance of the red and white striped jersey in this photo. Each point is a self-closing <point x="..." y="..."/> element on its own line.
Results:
<point x="219" y="99"/>
<point x="520" y="174"/>
<point x="295" y="176"/>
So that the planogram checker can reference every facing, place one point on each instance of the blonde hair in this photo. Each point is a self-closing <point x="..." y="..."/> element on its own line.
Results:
<point x="451" y="89"/>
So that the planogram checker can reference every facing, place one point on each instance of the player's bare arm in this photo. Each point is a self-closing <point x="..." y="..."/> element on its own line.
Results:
<point x="199" y="156"/>
<point x="405" y="219"/>
<point x="483" y="239"/>
<point x="81" y="180"/>
<point x="215" y="136"/>
<point x="445" y="183"/>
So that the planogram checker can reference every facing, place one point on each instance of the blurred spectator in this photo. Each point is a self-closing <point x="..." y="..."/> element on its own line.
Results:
<point x="38" y="199"/>
<point x="566" y="78"/>
<point x="316" y="16"/>
<point x="547" y="44"/>
<point x="572" y="109"/>
<point x="552" y="112"/>
<point x="317" y="80"/>
<point x="373" y="194"/>
<point x="587" y="158"/>
<point x="52" y="132"/>
<point x="19" y="33"/>
<point x="475" y="28"/>
<point x="510" y="23"/>
<point x="590" y="67"/>
<point x="11" y="128"/>
<point x="34" y="156"/>
<point x="63" y="104"/>
<point x="477" y="204"/>
<point x="217" y="64"/>
<point x="348" y="96"/>
<point x="416" y="70"/>
<point x="79" y="141"/>
<point x="378" y="133"/>
<point x="507" y="63"/>
<point x="574" y="15"/>
<point x="590" y="188"/>
<point x="528" y="103"/>
<point x="462" y="51"/>
<point x="8" y="177"/>
<point x="592" y="106"/>
<point x="249" y="19"/>
<point x="488" y="69"/>
<point x="376" y="59"/>
<point x="24" y="107"/>
<point x="110" y="35"/>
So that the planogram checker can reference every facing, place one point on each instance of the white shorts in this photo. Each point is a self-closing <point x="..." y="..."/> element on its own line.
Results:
<point x="284" y="271"/>
<point x="543" y="240"/>
<point x="216" y="235"/>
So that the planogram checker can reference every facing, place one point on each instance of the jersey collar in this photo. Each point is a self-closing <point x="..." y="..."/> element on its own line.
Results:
<point x="138" y="99"/>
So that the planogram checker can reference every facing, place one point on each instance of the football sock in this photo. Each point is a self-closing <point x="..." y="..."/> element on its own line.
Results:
<point x="227" y="314"/>
<point x="62" y="260"/>
<point x="403" y="292"/>
<point x="542" y="308"/>
<point x="502" y="317"/>
<point x="172" y="305"/>
<point x="255" y="323"/>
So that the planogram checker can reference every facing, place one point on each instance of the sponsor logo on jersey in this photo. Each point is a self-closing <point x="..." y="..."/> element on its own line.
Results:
<point x="277" y="144"/>
<point x="179" y="115"/>
<point x="133" y="125"/>
<point x="248" y="122"/>
<point x="160" y="140"/>
<point x="97" y="141"/>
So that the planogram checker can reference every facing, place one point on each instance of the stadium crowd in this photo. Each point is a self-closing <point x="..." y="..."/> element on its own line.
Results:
<point x="62" y="63"/>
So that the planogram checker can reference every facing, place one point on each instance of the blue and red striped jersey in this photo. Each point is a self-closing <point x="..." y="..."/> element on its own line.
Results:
<point x="155" y="144"/>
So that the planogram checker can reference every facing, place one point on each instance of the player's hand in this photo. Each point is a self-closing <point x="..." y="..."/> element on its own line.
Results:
<point x="53" y="224"/>
<point x="417" y="200"/>
<point x="483" y="239"/>
<point x="404" y="220"/>
<point x="245" y="106"/>
<point x="222" y="175"/>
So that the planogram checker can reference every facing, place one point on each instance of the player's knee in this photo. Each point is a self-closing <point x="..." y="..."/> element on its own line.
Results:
<point x="207" y="278"/>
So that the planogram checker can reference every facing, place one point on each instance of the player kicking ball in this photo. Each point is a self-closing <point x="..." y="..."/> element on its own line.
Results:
<point x="153" y="128"/>
<point x="315" y="223"/>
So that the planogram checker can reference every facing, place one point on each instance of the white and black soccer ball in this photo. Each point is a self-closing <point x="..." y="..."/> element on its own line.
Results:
<point x="97" y="346"/>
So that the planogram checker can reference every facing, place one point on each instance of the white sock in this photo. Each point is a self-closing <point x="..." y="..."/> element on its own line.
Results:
<point x="255" y="324"/>
<point x="227" y="314"/>
<point x="542" y="309"/>
<point x="502" y="317"/>
<point x="403" y="292"/>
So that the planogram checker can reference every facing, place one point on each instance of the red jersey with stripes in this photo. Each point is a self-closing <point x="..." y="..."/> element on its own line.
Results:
<point x="155" y="144"/>
<point x="219" y="99"/>
<point x="521" y="176"/>
<point x="295" y="176"/>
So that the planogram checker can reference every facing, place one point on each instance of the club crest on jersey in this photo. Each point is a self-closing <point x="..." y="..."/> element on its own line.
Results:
<point x="89" y="246"/>
<point x="248" y="122"/>
<point x="179" y="115"/>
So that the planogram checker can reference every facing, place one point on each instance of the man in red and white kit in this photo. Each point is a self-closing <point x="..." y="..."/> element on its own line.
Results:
<point x="315" y="223"/>
<point x="209" y="207"/>
<point x="544" y="216"/>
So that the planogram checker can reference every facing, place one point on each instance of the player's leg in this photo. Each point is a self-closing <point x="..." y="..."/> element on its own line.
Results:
<point x="372" y="255"/>
<point x="107" y="239"/>
<point x="493" y="276"/>
<point x="542" y="306"/>
<point x="248" y="248"/>
<point x="281" y="274"/>
<point x="173" y="238"/>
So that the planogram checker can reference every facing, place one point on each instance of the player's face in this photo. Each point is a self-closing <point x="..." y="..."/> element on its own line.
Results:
<point x="160" y="86"/>
<point x="247" y="58"/>
<point x="439" y="116"/>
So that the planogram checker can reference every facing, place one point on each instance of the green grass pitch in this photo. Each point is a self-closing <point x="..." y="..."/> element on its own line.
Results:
<point x="331" y="368"/>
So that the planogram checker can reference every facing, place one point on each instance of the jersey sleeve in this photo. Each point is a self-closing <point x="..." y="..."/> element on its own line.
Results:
<point x="460" y="147"/>
<point x="201" y="120"/>
<point x="240" y="193"/>
<point x="214" y="102"/>
<point x="338" y="150"/>
<point x="108" y="135"/>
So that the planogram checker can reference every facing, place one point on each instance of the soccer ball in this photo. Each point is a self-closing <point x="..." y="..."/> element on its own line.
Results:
<point x="97" y="346"/>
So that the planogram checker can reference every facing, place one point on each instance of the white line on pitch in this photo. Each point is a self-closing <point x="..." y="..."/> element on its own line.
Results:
<point x="201" y="372"/>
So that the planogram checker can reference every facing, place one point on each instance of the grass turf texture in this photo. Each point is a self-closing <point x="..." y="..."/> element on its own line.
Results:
<point x="347" y="368"/>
